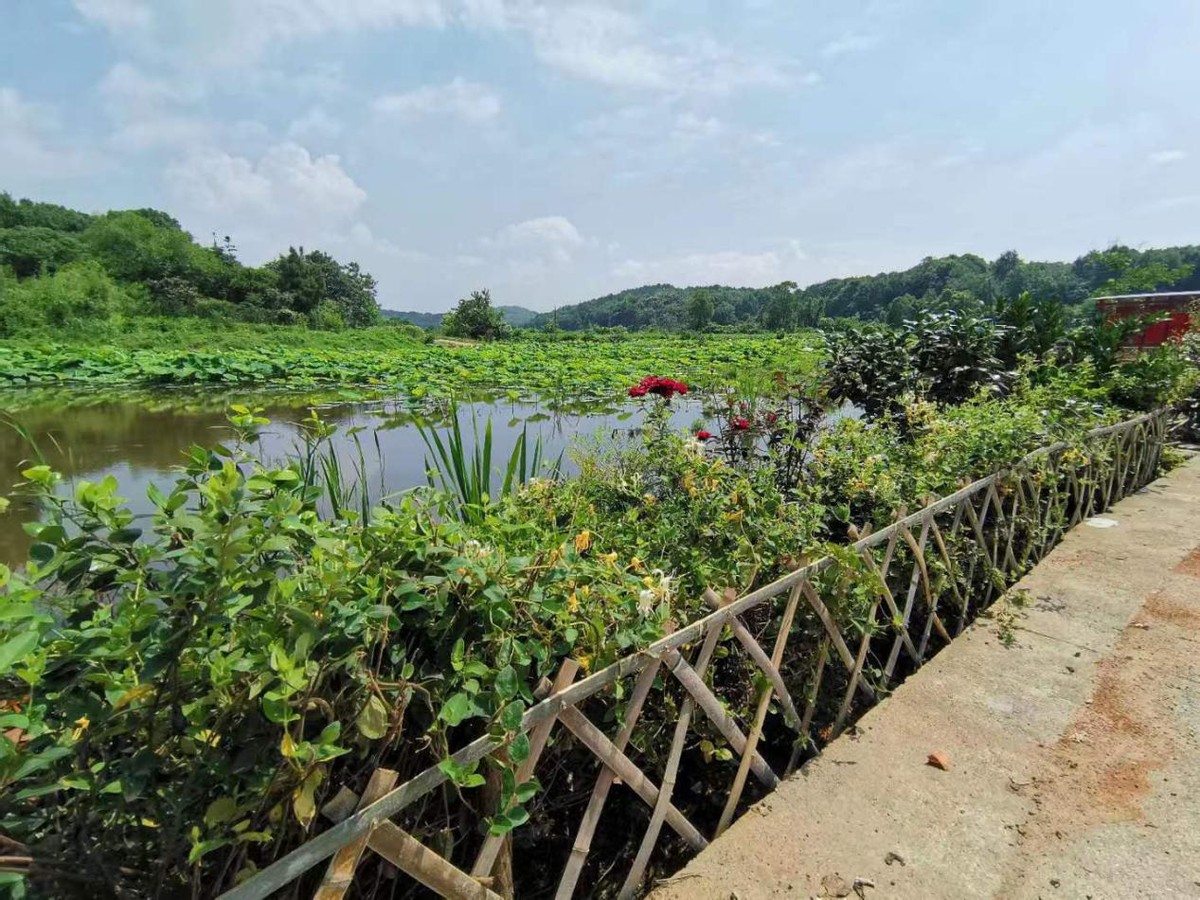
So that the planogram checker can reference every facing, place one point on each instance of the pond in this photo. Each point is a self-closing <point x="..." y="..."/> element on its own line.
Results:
<point x="140" y="438"/>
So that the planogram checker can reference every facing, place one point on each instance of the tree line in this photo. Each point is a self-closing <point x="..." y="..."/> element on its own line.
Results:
<point x="966" y="284"/>
<point x="61" y="268"/>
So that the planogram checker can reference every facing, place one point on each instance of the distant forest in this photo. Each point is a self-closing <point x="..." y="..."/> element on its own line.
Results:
<point x="967" y="283"/>
<point x="516" y="316"/>
<point x="60" y="268"/>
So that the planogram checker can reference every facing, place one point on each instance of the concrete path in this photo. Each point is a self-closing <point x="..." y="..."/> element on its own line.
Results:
<point x="1074" y="754"/>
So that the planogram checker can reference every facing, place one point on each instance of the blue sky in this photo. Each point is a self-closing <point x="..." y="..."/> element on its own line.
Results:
<point x="555" y="150"/>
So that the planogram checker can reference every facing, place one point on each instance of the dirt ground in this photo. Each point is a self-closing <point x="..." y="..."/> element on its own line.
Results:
<point x="1074" y="755"/>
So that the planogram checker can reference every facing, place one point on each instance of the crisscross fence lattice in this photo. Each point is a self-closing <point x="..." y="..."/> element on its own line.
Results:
<point x="665" y="746"/>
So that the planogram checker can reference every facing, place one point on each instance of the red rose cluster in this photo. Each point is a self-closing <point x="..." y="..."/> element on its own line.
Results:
<point x="663" y="387"/>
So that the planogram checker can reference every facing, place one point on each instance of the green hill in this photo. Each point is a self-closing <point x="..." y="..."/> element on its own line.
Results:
<point x="61" y="268"/>
<point x="516" y="316"/>
<point x="966" y="282"/>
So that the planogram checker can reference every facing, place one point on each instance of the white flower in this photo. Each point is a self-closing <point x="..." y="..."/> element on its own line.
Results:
<point x="646" y="602"/>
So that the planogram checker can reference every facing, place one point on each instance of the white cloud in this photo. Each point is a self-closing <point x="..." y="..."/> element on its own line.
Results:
<point x="598" y="44"/>
<point x="850" y="43"/>
<point x="1166" y="157"/>
<point x="116" y="15"/>
<point x="287" y="196"/>
<point x="30" y="147"/>
<point x="128" y="89"/>
<point x="255" y="25"/>
<point x="692" y="127"/>
<point x="879" y="166"/>
<point x="595" y="41"/>
<point x="462" y="99"/>
<point x="316" y="123"/>
<point x="238" y="33"/>
<point x="607" y="46"/>
<point x="729" y="267"/>
<point x="144" y="109"/>
<point x="549" y="238"/>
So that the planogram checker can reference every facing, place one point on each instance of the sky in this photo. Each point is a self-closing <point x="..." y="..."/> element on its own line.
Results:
<point x="554" y="150"/>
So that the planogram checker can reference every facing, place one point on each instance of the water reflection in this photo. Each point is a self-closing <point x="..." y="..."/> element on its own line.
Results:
<point x="141" y="439"/>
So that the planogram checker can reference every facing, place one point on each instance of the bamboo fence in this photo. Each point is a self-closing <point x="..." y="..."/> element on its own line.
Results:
<point x="927" y="575"/>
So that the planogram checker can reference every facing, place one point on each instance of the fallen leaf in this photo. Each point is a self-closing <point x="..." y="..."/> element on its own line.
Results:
<point x="938" y="760"/>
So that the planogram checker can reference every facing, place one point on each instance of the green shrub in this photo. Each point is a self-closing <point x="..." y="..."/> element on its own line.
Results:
<point x="188" y="697"/>
<point x="79" y="298"/>
<point x="1153" y="378"/>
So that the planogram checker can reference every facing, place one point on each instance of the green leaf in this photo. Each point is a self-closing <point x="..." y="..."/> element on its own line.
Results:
<point x="43" y="475"/>
<point x="518" y="750"/>
<point x="125" y="535"/>
<point x="507" y="684"/>
<point x="200" y="848"/>
<point x="460" y="706"/>
<point x="220" y="811"/>
<point x="457" y="654"/>
<point x="41" y="553"/>
<point x="526" y="791"/>
<point x="16" y="649"/>
<point x="372" y="721"/>
<point x="304" y="803"/>
<point x="464" y="776"/>
<point x="510" y="716"/>
<point x="330" y="733"/>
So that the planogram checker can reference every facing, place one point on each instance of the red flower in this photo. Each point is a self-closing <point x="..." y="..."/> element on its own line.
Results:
<point x="772" y="418"/>
<point x="663" y="387"/>
<point x="703" y="436"/>
<point x="740" y="425"/>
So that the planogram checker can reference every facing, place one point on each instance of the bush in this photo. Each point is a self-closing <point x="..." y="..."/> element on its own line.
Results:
<point x="187" y="698"/>
<point x="1152" y="379"/>
<point x="475" y="317"/>
<point x="79" y="297"/>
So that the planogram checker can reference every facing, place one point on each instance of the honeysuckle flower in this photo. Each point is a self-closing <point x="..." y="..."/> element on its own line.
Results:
<point x="646" y="600"/>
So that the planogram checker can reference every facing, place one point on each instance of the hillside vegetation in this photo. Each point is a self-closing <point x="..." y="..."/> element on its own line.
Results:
<point x="965" y="283"/>
<point x="515" y="316"/>
<point x="62" y="270"/>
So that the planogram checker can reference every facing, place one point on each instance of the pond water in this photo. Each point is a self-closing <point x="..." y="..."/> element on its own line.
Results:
<point x="140" y="439"/>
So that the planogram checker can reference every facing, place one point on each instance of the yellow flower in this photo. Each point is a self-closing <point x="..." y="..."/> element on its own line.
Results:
<point x="635" y="564"/>
<point x="573" y="602"/>
<point x="689" y="484"/>
<point x="610" y="559"/>
<point x="583" y="541"/>
<point x="81" y="725"/>
<point x="584" y="661"/>
<point x="649" y="499"/>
